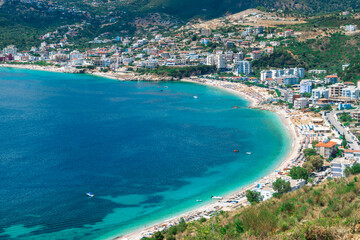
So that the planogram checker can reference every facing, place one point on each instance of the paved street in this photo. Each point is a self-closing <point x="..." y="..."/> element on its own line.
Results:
<point x="353" y="143"/>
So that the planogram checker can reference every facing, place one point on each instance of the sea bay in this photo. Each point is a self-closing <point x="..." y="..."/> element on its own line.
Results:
<point x="147" y="150"/>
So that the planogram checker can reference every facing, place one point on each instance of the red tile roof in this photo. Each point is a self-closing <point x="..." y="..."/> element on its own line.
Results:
<point x="329" y="144"/>
<point x="351" y="151"/>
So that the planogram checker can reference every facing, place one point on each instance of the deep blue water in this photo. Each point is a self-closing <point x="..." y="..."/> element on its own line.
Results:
<point x="146" y="150"/>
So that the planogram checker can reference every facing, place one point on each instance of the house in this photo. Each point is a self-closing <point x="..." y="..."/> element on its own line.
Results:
<point x="350" y="28"/>
<point x="325" y="148"/>
<point x="331" y="79"/>
<point x="352" y="154"/>
<point x="338" y="166"/>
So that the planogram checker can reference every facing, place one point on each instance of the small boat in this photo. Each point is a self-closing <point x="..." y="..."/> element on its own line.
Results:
<point x="236" y="150"/>
<point x="216" y="197"/>
<point x="90" y="194"/>
<point x="195" y="97"/>
<point x="198" y="200"/>
<point x="234" y="107"/>
<point x="248" y="153"/>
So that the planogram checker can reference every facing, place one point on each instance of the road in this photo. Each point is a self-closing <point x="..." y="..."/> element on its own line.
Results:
<point x="339" y="127"/>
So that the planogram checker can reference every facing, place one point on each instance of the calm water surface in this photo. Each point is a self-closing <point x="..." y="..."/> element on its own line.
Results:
<point x="146" y="150"/>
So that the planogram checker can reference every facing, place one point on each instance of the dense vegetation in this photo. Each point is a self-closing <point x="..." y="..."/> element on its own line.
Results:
<point x="22" y="25"/>
<point x="213" y="8"/>
<point x="180" y="72"/>
<point x="279" y="59"/>
<point x="328" y="53"/>
<point x="326" y="211"/>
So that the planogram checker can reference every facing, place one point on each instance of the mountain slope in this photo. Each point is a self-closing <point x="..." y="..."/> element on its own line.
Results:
<point x="212" y="8"/>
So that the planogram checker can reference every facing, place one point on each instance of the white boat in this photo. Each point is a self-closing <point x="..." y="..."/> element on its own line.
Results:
<point x="198" y="200"/>
<point x="216" y="197"/>
<point x="90" y="194"/>
<point x="248" y="153"/>
<point x="195" y="97"/>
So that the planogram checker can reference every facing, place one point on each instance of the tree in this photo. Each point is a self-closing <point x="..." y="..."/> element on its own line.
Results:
<point x="327" y="107"/>
<point x="355" y="169"/>
<point x="314" y="143"/>
<point x="299" y="173"/>
<point x="281" y="186"/>
<point x="158" y="236"/>
<point x="316" y="161"/>
<point x="306" y="94"/>
<point x="308" y="167"/>
<point x="309" y="152"/>
<point x="347" y="171"/>
<point x="254" y="197"/>
<point x="344" y="142"/>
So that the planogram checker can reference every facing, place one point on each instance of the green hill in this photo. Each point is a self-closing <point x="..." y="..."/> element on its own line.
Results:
<point x="326" y="211"/>
<point x="212" y="8"/>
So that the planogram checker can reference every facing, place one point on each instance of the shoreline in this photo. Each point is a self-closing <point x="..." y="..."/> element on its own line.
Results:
<point x="254" y="97"/>
<point x="286" y="161"/>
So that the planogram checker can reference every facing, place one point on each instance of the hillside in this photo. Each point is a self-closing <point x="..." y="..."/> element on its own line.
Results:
<point x="214" y="8"/>
<point x="325" y="211"/>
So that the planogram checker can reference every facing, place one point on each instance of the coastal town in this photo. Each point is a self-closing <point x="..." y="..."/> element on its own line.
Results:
<point x="319" y="109"/>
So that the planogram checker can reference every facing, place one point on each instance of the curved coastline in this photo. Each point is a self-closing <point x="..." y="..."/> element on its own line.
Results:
<point x="282" y="162"/>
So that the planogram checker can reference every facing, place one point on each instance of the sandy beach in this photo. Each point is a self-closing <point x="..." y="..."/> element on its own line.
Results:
<point x="255" y="96"/>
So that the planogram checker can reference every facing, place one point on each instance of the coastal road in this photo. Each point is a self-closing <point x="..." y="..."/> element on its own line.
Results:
<point x="352" y="141"/>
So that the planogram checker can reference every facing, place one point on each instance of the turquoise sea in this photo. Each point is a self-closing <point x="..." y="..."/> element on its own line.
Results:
<point x="146" y="150"/>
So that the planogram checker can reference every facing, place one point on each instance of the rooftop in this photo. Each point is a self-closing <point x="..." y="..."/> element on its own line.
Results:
<point x="328" y="144"/>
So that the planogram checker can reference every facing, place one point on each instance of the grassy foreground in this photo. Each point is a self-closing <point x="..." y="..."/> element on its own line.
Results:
<point x="326" y="211"/>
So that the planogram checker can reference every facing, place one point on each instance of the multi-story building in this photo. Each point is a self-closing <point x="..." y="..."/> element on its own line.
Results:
<point x="11" y="49"/>
<point x="336" y="90"/>
<point x="355" y="115"/>
<point x="301" y="103"/>
<point x="220" y="61"/>
<point x="352" y="154"/>
<point x="210" y="59"/>
<point x="289" y="80"/>
<point x="258" y="30"/>
<point x="298" y="72"/>
<point x="338" y="166"/>
<point x="255" y="55"/>
<point x="206" y="32"/>
<point x="242" y="67"/>
<point x="351" y="91"/>
<point x="331" y="79"/>
<point x="325" y="148"/>
<point x="350" y="28"/>
<point x="305" y="86"/>
<point x="320" y="92"/>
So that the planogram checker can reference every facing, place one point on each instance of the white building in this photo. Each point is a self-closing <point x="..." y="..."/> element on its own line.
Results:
<point x="352" y="155"/>
<point x="320" y="92"/>
<point x="298" y="72"/>
<point x="305" y="86"/>
<point x="220" y="61"/>
<point x="210" y="59"/>
<point x="11" y="49"/>
<point x="338" y="165"/>
<point x="351" y="92"/>
<point x="350" y="28"/>
<point x="242" y="67"/>
<point x="301" y="103"/>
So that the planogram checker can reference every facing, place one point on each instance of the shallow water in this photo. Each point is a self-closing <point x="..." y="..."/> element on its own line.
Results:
<point x="146" y="150"/>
